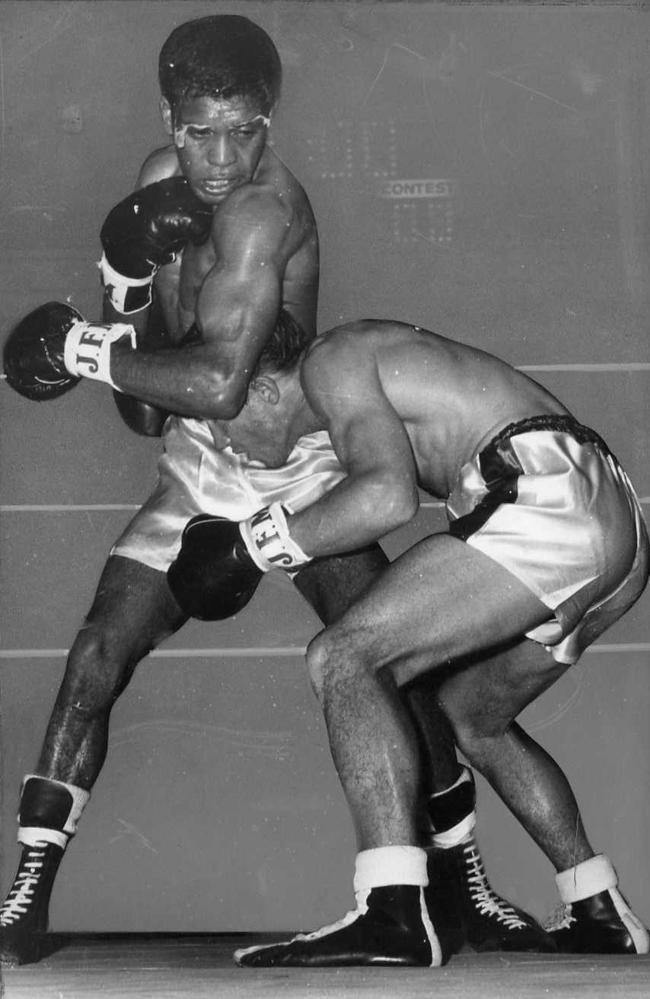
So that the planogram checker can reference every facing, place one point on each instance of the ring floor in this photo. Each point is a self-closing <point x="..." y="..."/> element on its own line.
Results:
<point x="171" y="966"/>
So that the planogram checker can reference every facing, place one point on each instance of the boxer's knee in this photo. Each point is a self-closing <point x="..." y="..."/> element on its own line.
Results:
<point x="319" y="662"/>
<point x="97" y="671"/>
<point x="335" y="656"/>
<point x="478" y="737"/>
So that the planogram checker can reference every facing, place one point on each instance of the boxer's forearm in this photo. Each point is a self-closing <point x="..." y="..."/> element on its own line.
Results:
<point x="356" y="512"/>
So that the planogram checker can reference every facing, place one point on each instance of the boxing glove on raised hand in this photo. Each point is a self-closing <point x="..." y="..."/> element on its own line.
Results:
<point x="144" y="232"/>
<point x="49" y="350"/>
<point x="221" y="562"/>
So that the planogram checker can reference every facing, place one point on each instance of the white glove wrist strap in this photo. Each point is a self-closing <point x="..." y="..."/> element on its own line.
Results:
<point x="266" y="536"/>
<point x="125" y="294"/>
<point x="87" y="351"/>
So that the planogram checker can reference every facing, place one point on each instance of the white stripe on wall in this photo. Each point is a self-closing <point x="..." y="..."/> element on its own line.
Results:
<point x="629" y="366"/>
<point x="286" y="652"/>
<point x="65" y="507"/>
<point x="80" y="507"/>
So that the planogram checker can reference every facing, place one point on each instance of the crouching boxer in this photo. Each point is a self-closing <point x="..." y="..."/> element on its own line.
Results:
<point x="546" y="548"/>
<point x="215" y="250"/>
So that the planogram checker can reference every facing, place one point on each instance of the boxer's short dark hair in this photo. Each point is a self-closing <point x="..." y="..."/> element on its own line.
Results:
<point x="220" y="56"/>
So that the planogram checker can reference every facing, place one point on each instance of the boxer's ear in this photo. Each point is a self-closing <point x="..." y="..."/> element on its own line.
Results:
<point x="267" y="388"/>
<point x="167" y="115"/>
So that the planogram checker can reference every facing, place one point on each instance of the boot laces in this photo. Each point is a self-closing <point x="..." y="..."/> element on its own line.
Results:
<point x="21" y="895"/>
<point x="561" y="918"/>
<point x="483" y="895"/>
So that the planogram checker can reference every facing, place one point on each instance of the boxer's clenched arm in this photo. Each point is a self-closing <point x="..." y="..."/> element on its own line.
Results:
<point x="236" y="311"/>
<point x="379" y="492"/>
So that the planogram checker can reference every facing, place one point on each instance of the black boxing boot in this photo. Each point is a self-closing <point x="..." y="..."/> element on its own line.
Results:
<point x="49" y="811"/>
<point x="24" y="914"/>
<point x="390" y="927"/>
<point x="595" y="917"/>
<point x="469" y="910"/>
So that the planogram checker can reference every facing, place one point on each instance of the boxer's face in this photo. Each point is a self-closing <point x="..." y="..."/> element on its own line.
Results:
<point x="261" y="428"/>
<point x="219" y="143"/>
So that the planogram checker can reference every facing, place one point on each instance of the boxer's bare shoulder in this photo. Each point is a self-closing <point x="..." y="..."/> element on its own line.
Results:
<point x="159" y="165"/>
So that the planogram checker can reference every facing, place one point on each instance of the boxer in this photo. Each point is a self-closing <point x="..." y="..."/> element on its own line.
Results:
<point x="546" y="548"/>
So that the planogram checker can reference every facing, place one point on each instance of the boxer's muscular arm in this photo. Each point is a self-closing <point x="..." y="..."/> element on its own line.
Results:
<point x="379" y="493"/>
<point x="236" y="311"/>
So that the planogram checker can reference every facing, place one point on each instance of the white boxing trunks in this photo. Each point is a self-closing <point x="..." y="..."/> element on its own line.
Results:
<point x="195" y="477"/>
<point x="548" y="501"/>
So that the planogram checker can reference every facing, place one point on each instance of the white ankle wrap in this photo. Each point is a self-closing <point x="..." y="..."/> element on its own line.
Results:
<point x="390" y="865"/>
<point x="452" y="837"/>
<point x="464" y="778"/>
<point x="586" y="879"/>
<point x="37" y="835"/>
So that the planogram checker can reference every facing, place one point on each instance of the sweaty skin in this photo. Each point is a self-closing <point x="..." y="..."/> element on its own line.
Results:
<point x="404" y="408"/>
<point x="408" y="408"/>
<point x="262" y="254"/>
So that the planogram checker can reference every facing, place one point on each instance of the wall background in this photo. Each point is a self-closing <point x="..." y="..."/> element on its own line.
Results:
<point x="218" y="808"/>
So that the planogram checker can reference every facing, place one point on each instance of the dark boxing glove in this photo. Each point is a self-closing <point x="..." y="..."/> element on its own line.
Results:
<point x="145" y="232"/>
<point x="221" y="562"/>
<point x="141" y="417"/>
<point x="213" y="576"/>
<point x="49" y="350"/>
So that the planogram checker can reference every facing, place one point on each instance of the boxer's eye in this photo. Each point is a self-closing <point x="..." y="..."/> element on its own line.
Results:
<point x="198" y="133"/>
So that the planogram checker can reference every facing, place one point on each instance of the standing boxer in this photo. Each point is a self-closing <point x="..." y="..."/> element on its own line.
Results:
<point x="218" y="239"/>
<point x="546" y="548"/>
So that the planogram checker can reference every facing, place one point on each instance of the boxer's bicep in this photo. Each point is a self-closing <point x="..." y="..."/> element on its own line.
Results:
<point x="241" y="296"/>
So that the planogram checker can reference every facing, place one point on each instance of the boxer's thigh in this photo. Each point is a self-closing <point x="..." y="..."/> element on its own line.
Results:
<point x="134" y="606"/>
<point x="438" y="601"/>
<point x="331" y="585"/>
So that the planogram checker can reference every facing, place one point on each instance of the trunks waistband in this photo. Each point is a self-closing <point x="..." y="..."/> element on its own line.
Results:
<point x="549" y="421"/>
<point x="500" y="467"/>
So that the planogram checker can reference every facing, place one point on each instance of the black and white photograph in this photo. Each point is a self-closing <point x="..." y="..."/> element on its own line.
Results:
<point x="324" y="499"/>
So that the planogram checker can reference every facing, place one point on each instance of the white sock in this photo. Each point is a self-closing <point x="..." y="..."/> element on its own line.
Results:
<point x="586" y="879"/>
<point x="390" y="865"/>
